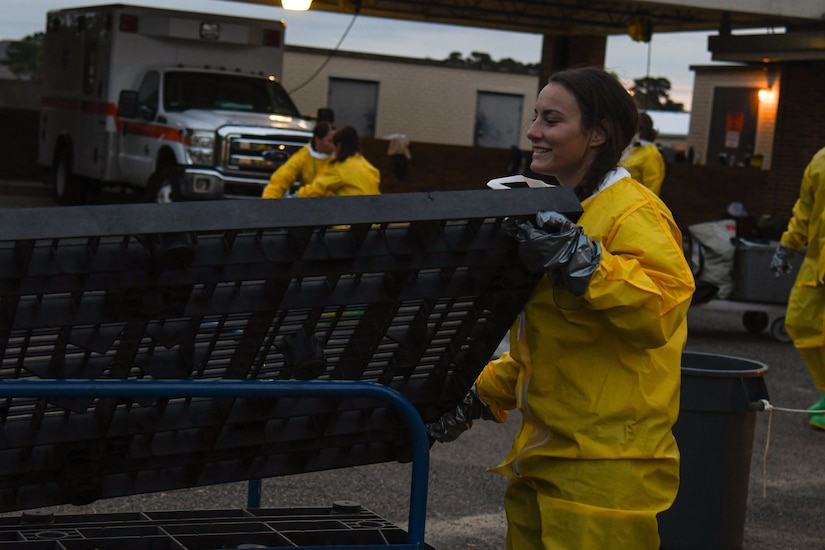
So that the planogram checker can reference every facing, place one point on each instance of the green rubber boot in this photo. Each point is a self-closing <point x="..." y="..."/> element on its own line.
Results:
<point x="817" y="421"/>
<point x="819" y="406"/>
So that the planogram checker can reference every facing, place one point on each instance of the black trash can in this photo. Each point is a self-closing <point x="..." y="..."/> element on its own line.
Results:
<point x="719" y="400"/>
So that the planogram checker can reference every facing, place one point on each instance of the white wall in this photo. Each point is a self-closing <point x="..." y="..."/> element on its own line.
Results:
<point x="426" y="100"/>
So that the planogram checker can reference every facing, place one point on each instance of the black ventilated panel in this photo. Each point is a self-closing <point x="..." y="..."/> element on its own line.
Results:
<point x="346" y="524"/>
<point x="414" y="291"/>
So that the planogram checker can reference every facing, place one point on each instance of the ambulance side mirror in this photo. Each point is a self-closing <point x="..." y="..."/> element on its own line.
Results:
<point x="127" y="104"/>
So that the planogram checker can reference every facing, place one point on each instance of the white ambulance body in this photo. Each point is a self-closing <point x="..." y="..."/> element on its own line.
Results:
<point x="178" y="105"/>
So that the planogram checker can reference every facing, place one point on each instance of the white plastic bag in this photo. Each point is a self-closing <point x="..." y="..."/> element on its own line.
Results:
<point x="717" y="250"/>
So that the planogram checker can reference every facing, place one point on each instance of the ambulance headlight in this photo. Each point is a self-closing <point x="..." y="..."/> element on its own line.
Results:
<point x="201" y="148"/>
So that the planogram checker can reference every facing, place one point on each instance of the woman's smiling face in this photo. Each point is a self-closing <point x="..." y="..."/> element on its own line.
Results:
<point x="561" y="147"/>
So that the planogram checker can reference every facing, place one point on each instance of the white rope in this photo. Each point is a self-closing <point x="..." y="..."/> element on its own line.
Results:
<point x="769" y="408"/>
<point x="766" y="406"/>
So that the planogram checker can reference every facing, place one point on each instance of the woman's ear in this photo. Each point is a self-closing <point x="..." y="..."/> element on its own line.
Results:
<point x="598" y="135"/>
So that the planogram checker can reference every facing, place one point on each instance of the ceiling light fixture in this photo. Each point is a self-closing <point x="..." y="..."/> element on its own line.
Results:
<point x="296" y="5"/>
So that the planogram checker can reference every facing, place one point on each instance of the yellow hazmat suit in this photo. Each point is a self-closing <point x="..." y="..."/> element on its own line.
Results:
<point x="353" y="176"/>
<point x="304" y="166"/>
<point x="805" y="316"/>
<point x="646" y="165"/>
<point x="597" y="381"/>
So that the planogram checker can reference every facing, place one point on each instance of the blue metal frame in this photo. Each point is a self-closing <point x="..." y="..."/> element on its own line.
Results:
<point x="260" y="389"/>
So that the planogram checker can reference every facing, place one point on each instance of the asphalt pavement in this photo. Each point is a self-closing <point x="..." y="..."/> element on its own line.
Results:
<point x="786" y="494"/>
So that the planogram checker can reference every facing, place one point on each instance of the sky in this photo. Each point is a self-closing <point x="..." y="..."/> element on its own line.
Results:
<point x="671" y="54"/>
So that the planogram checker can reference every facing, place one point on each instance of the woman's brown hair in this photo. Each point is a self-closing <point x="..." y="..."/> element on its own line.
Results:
<point x="346" y="139"/>
<point x="646" y="130"/>
<point x="603" y="102"/>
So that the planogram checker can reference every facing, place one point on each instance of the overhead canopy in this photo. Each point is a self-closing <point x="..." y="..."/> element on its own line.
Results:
<point x="797" y="46"/>
<point x="588" y="17"/>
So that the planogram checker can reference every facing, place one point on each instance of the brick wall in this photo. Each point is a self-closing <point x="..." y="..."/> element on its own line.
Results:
<point x="694" y="193"/>
<point x="697" y="193"/>
<point x="18" y="143"/>
<point x="19" y="120"/>
<point x="800" y="131"/>
<point x="436" y="167"/>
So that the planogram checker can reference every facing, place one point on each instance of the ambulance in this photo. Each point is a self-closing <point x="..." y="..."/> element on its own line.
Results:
<point x="175" y="105"/>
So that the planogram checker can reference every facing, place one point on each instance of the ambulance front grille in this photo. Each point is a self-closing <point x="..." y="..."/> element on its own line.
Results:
<point x="250" y="155"/>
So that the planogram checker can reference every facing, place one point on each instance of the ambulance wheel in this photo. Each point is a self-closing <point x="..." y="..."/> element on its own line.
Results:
<point x="164" y="186"/>
<point x="66" y="185"/>
<point x="755" y="321"/>
<point x="778" y="331"/>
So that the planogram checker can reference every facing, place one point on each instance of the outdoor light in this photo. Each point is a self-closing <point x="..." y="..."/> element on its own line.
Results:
<point x="766" y="95"/>
<point x="296" y="5"/>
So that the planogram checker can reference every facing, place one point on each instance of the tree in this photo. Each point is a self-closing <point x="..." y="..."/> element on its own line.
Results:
<point x="25" y="57"/>
<point x="481" y="60"/>
<point x="456" y="59"/>
<point x="653" y="94"/>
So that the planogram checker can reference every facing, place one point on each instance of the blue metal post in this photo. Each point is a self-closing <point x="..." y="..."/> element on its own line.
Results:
<point x="253" y="493"/>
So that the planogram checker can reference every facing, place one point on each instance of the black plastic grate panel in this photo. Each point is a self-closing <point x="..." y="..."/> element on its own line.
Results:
<point x="413" y="291"/>
<point x="349" y="525"/>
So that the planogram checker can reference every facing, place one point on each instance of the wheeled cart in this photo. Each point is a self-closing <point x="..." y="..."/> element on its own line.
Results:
<point x="756" y="316"/>
<point x="758" y="295"/>
<point x="148" y="348"/>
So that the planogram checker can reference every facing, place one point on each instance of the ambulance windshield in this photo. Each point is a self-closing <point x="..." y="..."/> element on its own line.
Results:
<point x="184" y="90"/>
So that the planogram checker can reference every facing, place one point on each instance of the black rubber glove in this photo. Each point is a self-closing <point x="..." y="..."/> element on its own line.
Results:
<point x="558" y="247"/>
<point x="780" y="263"/>
<point x="457" y="421"/>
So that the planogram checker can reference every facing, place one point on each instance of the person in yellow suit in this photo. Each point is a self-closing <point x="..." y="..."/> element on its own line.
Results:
<point x="308" y="162"/>
<point x="644" y="161"/>
<point x="348" y="174"/>
<point x="805" y="315"/>
<point x="594" y="364"/>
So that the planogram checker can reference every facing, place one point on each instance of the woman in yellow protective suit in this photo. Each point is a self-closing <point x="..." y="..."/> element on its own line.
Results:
<point x="307" y="163"/>
<point x="349" y="174"/>
<point x="644" y="162"/>
<point x="805" y="316"/>
<point x="595" y="358"/>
